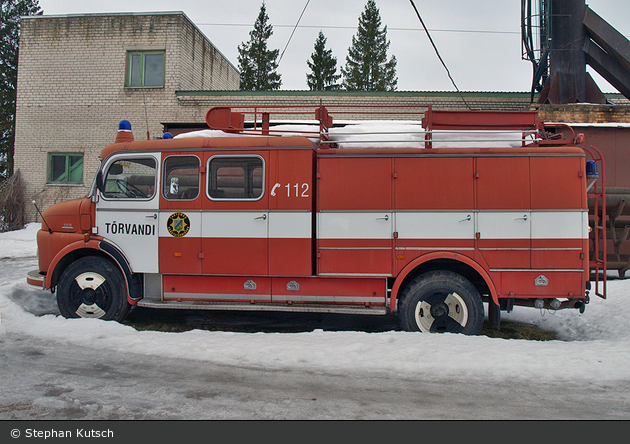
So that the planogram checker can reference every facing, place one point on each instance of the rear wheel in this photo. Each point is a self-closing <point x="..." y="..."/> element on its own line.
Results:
<point x="93" y="287"/>
<point x="441" y="302"/>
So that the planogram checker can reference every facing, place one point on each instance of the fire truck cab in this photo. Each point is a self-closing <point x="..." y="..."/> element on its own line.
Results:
<point x="288" y="223"/>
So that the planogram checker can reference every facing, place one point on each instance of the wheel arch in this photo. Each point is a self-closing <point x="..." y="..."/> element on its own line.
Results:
<point x="457" y="263"/>
<point x="94" y="247"/>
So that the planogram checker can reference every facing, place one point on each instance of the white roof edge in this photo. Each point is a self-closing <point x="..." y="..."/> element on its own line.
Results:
<point x="101" y="14"/>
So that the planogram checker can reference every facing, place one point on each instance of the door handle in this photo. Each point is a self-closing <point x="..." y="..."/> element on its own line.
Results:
<point x="522" y="218"/>
<point x="383" y="218"/>
<point x="154" y="216"/>
<point x="466" y="219"/>
<point x="263" y="217"/>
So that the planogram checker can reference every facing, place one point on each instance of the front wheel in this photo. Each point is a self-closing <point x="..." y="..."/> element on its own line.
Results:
<point x="441" y="302"/>
<point x="92" y="287"/>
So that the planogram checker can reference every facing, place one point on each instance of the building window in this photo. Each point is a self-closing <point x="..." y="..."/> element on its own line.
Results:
<point x="235" y="178"/>
<point x="65" y="168"/>
<point x="145" y="69"/>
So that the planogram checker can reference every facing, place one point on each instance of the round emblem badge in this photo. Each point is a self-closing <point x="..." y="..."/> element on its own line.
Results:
<point x="178" y="224"/>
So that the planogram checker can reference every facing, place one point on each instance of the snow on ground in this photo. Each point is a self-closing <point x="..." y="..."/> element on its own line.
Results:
<point x="591" y="346"/>
<point x="21" y="243"/>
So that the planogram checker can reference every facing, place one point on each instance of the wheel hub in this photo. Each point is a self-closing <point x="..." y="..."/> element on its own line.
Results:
<point x="439" y="310"/>
<point x="88" y="296"/>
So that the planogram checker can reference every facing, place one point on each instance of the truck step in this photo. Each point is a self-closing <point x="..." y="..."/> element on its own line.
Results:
<point x="236" y="306"/>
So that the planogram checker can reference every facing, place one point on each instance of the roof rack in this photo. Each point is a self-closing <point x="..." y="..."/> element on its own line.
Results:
<point x="454" y="123"/>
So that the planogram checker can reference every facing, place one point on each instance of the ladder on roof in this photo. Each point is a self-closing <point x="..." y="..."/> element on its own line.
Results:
<point x="533" y="129"/>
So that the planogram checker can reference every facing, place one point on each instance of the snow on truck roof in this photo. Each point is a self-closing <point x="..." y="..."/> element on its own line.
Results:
<point x="386" y="134"/>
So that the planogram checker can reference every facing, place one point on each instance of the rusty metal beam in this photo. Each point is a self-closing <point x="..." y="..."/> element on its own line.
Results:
<point x="611" y="40"/>
<point x="608" y="67"/>
<point x="568" y="81"/>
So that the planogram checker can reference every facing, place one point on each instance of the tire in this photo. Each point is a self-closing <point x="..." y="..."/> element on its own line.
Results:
<point x="441" y="302"/>
<point x="93" y="287"/>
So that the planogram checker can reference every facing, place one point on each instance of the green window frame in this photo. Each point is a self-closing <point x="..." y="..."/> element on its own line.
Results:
<point x="65" y="168"/>
<point x="145" y="69"/>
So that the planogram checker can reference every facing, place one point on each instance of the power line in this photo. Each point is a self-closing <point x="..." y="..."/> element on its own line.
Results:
<point x="472" y="31"/>
<point x="455" y="31"/>
<point x="291" y="36"/>
<point x="438" y="54"/>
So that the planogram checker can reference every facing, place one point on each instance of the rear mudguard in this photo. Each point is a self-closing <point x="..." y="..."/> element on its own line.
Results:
<point x="419" y="261"/>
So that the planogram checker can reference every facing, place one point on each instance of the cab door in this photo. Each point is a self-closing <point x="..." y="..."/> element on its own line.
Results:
<point x="127" y="208"/>
<point x="290" y="189"/>
<point x="235" y="220"/>
<point x="180" y="214"/>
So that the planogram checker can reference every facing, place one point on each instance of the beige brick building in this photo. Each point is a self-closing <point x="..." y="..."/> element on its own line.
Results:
<point x="79" y="75"/>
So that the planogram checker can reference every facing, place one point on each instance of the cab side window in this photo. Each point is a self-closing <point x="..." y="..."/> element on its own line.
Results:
<point x="181" y="178"/>
<point x="235" y="177"/>
<point x="130" y="178"/>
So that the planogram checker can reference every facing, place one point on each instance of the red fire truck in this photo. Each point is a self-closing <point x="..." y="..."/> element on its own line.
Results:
<point x="301" y="223"/>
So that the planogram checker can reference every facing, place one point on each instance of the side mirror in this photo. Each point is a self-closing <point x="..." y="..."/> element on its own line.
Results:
<point x="115" y="169"/>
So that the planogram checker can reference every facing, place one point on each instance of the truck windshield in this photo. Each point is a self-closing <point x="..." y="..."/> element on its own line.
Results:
<point x="130" y="178"/>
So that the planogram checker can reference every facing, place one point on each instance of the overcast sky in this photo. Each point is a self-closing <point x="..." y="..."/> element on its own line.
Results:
<point x="479" y="41"/>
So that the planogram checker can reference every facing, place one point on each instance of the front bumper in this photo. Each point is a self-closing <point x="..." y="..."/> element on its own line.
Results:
<point x="36" y="279"/>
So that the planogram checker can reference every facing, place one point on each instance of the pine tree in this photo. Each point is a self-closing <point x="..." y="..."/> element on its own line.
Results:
<point x="323" y="65"/>
<point x="10" y="13"/>
<point x="367" y="68"/>
<point x="257" y="63"/>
